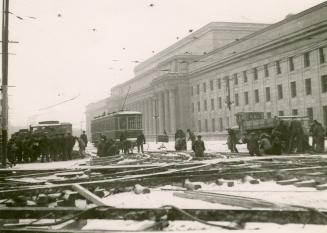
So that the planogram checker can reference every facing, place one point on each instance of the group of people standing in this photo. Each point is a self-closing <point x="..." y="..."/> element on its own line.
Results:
<point x="47" y="146"/>
<point x="196" y="142"/>
<point x="284" y="138"/>
<point x="110" y="147"/>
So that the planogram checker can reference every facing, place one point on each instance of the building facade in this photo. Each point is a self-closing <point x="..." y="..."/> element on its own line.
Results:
<point x="224" y="68"/>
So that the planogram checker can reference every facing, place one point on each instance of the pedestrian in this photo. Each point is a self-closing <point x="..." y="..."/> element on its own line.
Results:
<point x="101" y="148"/>
<point x="313" y="131"/>
<point x="253" y="145"/>
<point x="319" y="134"/>
<point x="45" y="148"/>
<point x="69" y="145"/>
<point x="232" y="140"/>
<point x="285" y="135"/>
<point x="140" y="140"/>
<point x="81" y="146"/>
<point x="265" y="145"/>
<point x="199" y="147"/>
<point x="191" y="137"/>
<point x="276" y="147"/>
<point x="84" y="138"/>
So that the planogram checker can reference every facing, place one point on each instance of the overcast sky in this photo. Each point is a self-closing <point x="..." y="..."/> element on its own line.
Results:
<point x="66" y="47"/>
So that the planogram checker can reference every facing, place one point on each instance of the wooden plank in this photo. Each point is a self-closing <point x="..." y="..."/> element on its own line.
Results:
<point x="88" y="195"/>
<point x="284" y="216"/>
<point x="231" y="200"/>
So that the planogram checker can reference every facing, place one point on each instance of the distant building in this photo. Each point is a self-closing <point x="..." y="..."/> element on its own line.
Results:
<point x="279" y="69"/>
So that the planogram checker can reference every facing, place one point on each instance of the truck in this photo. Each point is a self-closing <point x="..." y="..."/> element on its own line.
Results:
<point x="248" y="122"/>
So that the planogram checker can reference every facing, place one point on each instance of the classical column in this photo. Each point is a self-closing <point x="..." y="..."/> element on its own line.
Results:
<point x="166" y="109"/>
<point x="148" y="113"/>
<point x="153" y="113"/>
<point x="144" y="116"/>
<point x="172" y="106"/>
<point x="161" y="113"/>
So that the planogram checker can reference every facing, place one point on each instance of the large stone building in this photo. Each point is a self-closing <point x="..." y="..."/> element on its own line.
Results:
<point x="201" y="81"/>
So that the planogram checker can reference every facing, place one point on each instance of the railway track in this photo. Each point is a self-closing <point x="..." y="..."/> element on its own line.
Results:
<point x="23" y="200"/>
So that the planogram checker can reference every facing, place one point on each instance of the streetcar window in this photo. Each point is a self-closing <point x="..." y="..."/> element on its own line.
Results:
<point x="135" y="122"/>
<point x="116" y="123"/>
<point x="122" y="123"/>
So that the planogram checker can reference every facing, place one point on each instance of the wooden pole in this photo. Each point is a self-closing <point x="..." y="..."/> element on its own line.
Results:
<point x="4" y="102"/>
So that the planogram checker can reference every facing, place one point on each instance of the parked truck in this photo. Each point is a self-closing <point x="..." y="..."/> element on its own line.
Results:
<point x="255" y="122"/>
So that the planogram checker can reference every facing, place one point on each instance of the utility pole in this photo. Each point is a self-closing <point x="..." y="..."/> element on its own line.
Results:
<point x="228" y="100"/>
<point x="4" y="88"/>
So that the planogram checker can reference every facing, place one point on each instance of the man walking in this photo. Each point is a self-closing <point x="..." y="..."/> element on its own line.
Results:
<point x="199" y="147"/>
<point x="140" y="141"/>
<point x="84" y="138"/>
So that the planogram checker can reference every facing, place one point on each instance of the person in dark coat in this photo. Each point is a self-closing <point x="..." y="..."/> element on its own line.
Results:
<point x="84" y="138"/>
<point x="199" y="147"/>
<point x="191" y="137"/>
<point x="69" y="145"/>
<point x="296" y="139"/>
<point x="139" y="142"/>
<point x="101" y="148"/>
<point x="45" y="148"/>
<point x="276" y="142"/>
<point x="319" y="134"/>
<point x="253" y="145"/>
<point x="232" y="141"/>
<point x="283" y="129"/>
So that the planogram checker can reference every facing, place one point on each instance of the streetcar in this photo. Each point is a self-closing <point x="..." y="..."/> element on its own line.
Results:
<point x="53" y="127"/>
<point x="114" y="124"/>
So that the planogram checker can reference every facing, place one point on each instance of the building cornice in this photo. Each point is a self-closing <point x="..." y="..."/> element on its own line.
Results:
<point x="282" y="41"/>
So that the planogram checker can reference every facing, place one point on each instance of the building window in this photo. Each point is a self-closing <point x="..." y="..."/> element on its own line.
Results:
<point x="235" y="79"/>
<point x="199" y="106"/>
<point x="280" y="91"/>
<point x="291" y="63"/>
<point x="192" y="91"/>
<point x="293" y="89"/>
<point x="308" y="90"/>
<point x="306" y="59"/>
<point x="204" y="87"/>
<point x="246" y="98"/>
<point x="281" y="113"/>
<point x="245" y="77"/>
<point x="255" y="74"/>
<point x="212" y="104"/>
<point x="267" y="94"/>
<point x="205" y="105"/>
<point x="310" y="113"/>
<point x="213" y="124"/>
<point x="322" y="55"/>
<point x="211" y="85"/>
<point x="219" y="103"/>
<point x="198" y="89"/>
<point x="256" y="96"/>
<point x="278" y="68"/>
<point x="268" y="115"/>
<point x="219" y="83"/>
<point x="206" y="125"/>
<point x="324" y="83"/>
<point x="266" y="70"/>
<point x="294" y="112"/>
<point x="199" y="126"/>
<point x="221" y="126"/>
<point x="236" y="100"/>
<point x="193" y="107"/>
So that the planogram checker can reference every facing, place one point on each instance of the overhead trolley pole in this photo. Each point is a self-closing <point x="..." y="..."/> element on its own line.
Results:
<point x="4" y="88"/>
